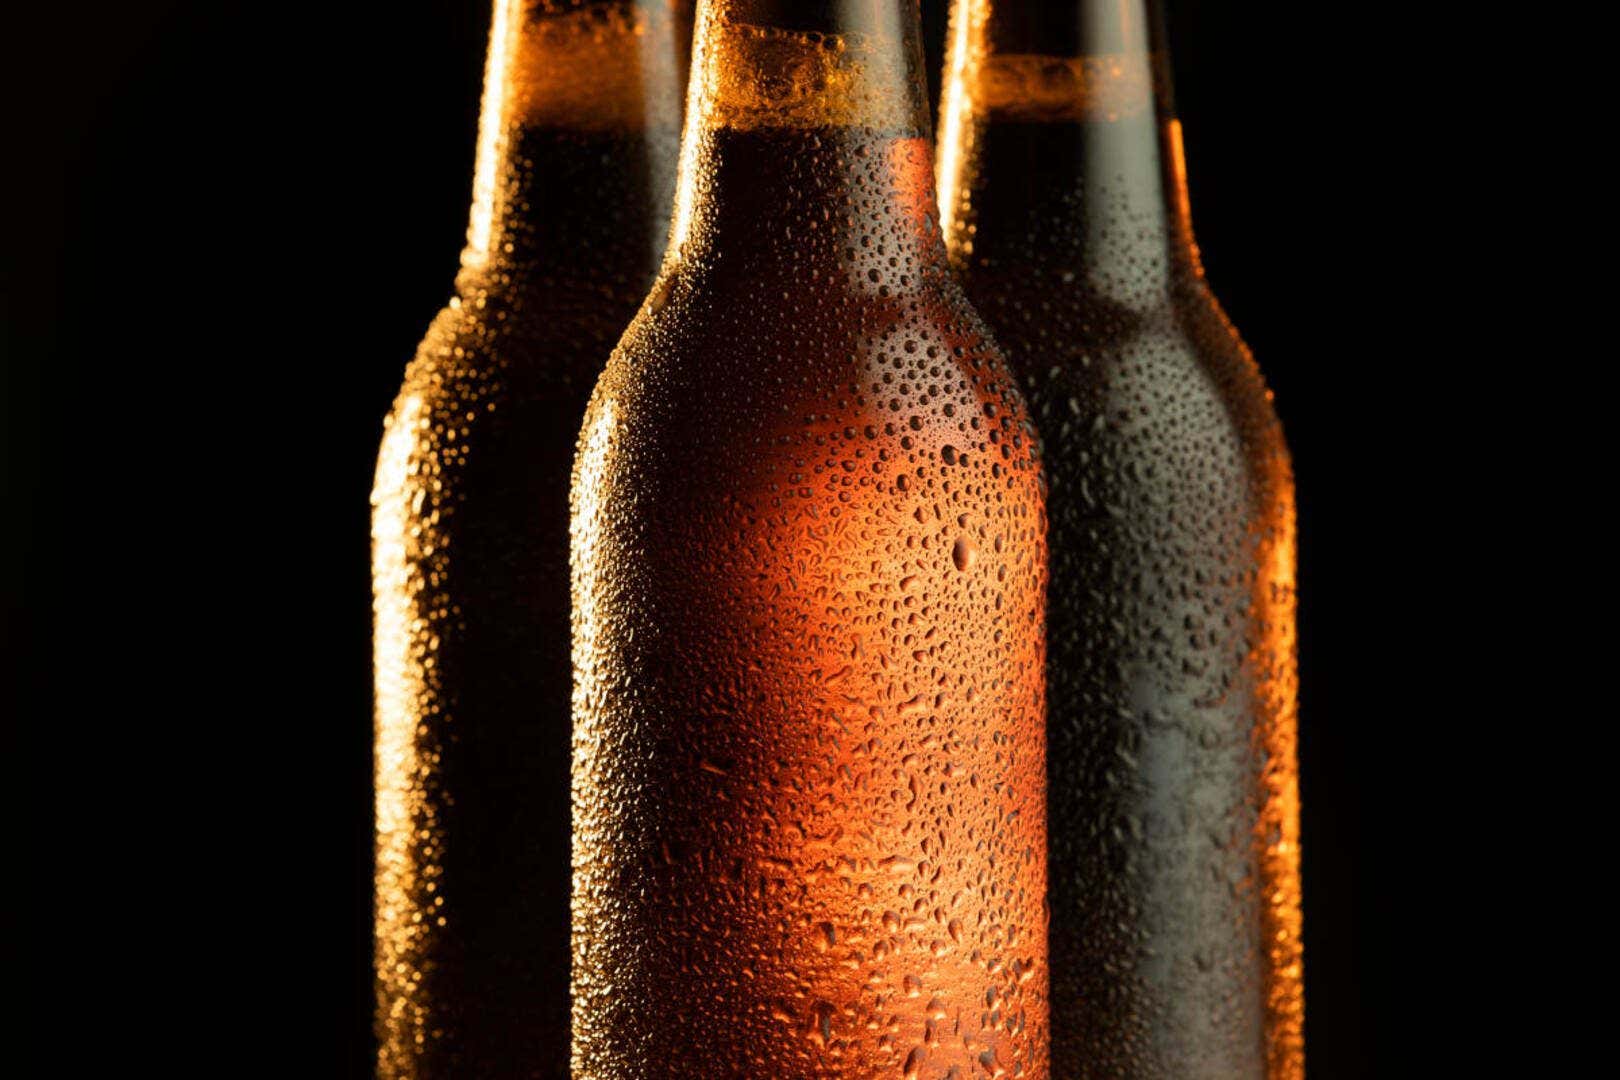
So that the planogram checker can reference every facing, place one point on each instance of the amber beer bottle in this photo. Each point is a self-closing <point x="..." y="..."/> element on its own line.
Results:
<point x="577" y="147"/>
<point x="1174" y="854"/>
<point x="809" y="568"/>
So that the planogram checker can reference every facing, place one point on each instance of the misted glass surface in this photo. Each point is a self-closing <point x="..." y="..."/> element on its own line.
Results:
<point x="808" y="553"/>
<point x="578" y="140"/>
<point x="1174" y="856"/>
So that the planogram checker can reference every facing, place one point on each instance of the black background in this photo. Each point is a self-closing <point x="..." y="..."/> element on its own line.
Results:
<point x="230" y="225"/>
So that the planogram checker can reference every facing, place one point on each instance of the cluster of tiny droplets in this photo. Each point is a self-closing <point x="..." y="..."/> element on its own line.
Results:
<point x="809" y="563"/>
<point x="470" y="548"/>
<point x="1172" y="685"/>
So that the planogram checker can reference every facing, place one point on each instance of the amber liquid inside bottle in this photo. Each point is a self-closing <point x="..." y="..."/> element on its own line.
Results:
<point x="1174" y="853"/>
<point x="808" y="565"/>
<point x="579" y="137"/>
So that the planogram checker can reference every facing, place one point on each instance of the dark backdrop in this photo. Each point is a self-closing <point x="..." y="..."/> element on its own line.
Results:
<point x="229" y="225"/>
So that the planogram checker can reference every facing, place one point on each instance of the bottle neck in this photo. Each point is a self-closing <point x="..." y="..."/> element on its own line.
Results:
<point x="576" y="94"/>
<point x="1060" y="150"/>
<point x="807" y="146"/>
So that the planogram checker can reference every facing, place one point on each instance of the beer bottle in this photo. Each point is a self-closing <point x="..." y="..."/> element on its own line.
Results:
<point x="1172" y="780"/>
<point x="808" y="570"/>
<point x="577" y="147"/>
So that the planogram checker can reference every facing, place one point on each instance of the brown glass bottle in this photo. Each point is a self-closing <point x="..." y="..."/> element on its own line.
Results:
<point x="578" y="142"/>
<point x="1173" y="787"/>
<point x="808" y="557"/>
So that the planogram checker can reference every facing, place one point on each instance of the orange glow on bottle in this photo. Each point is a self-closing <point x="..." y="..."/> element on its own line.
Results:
<point x="809" y="570"/>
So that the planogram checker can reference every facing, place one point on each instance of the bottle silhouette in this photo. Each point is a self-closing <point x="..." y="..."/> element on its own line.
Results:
<point x="809" y="566"/>
<point x="1174" y="855"/>
<point x="578" y="142"/>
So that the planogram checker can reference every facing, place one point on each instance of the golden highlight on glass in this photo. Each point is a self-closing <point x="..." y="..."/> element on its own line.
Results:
<point x="1174" y="857"/>
<point x="578" y="137"/>
<point x="808" y="557"/>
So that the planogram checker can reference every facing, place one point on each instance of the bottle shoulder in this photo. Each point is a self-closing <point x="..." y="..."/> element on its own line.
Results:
<point x="775" y="350"/>
<point x="1134" y="399"/>
<point x="818" y="382"/>
<point x="1058" y="334"/>
<point x="494" y="395"/>
<point x="507" y="343"/>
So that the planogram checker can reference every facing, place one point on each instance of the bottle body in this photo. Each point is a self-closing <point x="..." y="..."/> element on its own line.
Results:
<point x="808" y="585"/>
<point x="470" y="545"/>
<point x="1172" y="689"/>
